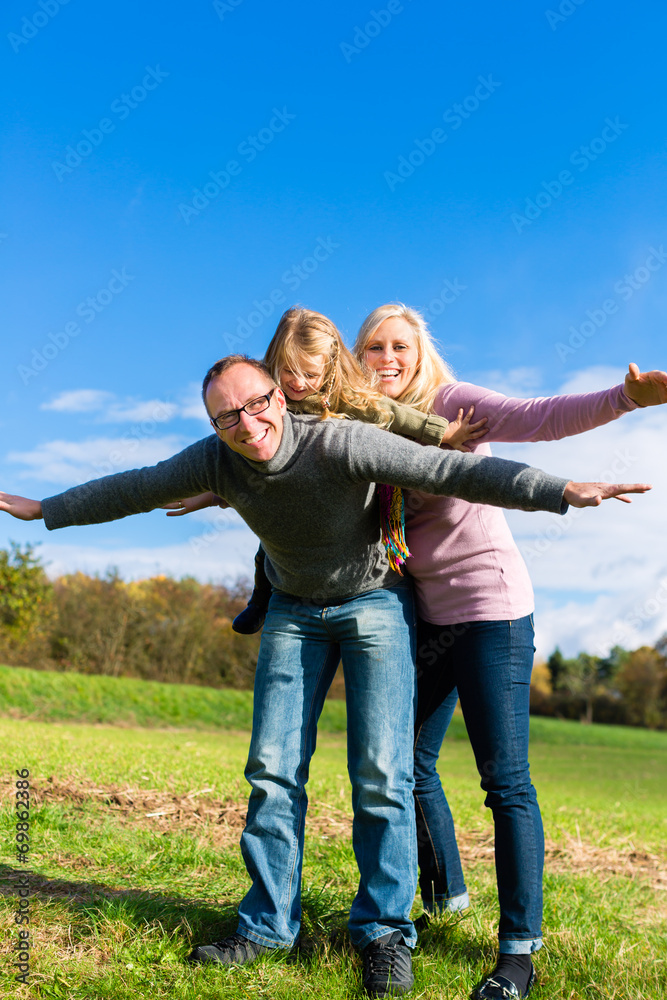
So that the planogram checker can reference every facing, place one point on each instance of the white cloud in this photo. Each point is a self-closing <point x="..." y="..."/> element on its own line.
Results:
<point x="592" y="379"/>
<point x="192" y="406"/>
<point x="71" y="462"/>
<point x="220" y="556"/>
<point x="79" y="401"/>
<point x="149" y="411"/>
<point x="109" y="409"/>
<point x="521" y="382"/>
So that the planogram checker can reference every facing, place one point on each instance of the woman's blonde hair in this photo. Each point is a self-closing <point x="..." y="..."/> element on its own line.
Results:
<point x="431" y="371"/>
<point x="305" y="333"/>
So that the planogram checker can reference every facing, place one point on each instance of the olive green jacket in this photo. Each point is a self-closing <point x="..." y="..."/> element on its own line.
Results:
<point x="399" y="418"/>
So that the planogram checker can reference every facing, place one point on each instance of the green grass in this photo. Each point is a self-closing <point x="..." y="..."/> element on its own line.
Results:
<point x="121" y="900"/>
<point x="121" y="701"/>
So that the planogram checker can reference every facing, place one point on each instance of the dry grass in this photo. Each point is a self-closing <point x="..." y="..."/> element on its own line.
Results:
<point x="221" y="820"/>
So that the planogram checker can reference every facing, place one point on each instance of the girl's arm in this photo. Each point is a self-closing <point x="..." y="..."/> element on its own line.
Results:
<point x="189" y="504"/>
<point x="550" y="418"/>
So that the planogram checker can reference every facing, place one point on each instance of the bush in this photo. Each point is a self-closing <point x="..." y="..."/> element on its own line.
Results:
<point x="157" y="629"/>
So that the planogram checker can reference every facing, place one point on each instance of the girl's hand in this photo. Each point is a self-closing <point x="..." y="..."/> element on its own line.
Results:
<point x="186" y="506"/>
<point x="461" y="430"/>
<point x="646" y="388"/>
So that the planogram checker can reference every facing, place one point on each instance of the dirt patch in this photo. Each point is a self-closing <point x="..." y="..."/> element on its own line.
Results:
<point x="573" y="855"/>
<point x="221" y="821"/>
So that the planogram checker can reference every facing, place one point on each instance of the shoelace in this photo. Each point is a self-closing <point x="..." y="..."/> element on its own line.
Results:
<point x="504" y="992"/>
<point x="381" y="959"/>
<point x="235" y="942"/>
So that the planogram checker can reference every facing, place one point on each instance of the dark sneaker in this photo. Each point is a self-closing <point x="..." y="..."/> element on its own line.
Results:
<point x="387" y="967"/>
<point x="233" y="950"/>
<point x="250" y="620"/>
<point x="500" y="988"/>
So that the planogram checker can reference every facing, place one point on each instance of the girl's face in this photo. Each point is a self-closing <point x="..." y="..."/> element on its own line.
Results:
<point x="392" y="353"/>
<point x="297" y="386"/>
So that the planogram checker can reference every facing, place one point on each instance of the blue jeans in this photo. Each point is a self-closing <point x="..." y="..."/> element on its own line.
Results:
<point x="487" y="665"/>
<point x="301" y="647"/>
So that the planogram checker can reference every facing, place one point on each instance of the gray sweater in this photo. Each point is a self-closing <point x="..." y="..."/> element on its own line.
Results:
<point x="313" y="505"/>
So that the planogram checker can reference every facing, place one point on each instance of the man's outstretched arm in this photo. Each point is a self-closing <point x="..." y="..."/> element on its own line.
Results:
<point x="475" y="478"/>
<point x="125" y="493"/>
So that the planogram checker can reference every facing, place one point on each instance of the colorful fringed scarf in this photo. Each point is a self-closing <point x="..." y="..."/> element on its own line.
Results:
<point x="392" y="519"/>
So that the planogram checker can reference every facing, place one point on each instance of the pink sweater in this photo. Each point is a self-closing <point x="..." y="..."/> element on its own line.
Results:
<point x="464" y="560"/>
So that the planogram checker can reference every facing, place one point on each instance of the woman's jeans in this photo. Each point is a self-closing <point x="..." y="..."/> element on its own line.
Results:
<point x="487" y="665"/>
<point x="301" y="647"/>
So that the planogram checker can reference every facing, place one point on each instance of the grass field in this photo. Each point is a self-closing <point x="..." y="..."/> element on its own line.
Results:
<point x="135" y="851"/>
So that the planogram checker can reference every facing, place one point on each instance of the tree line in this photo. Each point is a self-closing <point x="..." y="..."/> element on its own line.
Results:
<point x="627" y="687"/>
<point x="156" y="629"/>
<point x="165" y="629"/>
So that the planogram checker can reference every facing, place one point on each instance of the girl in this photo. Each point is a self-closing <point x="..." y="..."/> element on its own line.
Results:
<point x="319" y="375"/>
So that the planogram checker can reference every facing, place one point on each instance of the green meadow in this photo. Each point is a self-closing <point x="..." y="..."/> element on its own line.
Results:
<point x="137" y="807"/>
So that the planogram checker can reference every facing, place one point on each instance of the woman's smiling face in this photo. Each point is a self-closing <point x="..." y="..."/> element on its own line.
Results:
<point x="392" y="354"/>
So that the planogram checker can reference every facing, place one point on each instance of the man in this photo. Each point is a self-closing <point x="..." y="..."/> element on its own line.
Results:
<point x="305" y="486"/>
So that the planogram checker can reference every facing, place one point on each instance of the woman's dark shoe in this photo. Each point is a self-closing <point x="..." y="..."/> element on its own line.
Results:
<point x="496" y="987"/>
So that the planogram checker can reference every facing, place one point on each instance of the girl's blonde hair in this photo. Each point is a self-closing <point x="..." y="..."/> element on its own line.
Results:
<point x="305" y="333"/>
<point x="431" y="371"/>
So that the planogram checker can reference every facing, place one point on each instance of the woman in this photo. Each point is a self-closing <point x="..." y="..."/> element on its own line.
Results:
<point x="319" y="376"/>
<point x="475" y="630"/>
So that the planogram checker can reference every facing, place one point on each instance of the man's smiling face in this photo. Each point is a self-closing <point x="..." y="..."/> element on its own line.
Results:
<point x="255" y="437"/>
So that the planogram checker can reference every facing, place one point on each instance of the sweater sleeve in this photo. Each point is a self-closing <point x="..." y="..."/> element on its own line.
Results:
<point x="399" y="418"/>
<point x="372" y="457"/>
<point x="547" y="418"/>
<point x="133" y="492"/>
<point x="427" y="428"/>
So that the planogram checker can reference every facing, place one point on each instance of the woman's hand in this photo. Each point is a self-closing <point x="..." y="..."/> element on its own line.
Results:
<point x="461" y="430"/>
<point x="200" y="502"/>
<point x="592" y="494"/>
<point x="646" y="388"/>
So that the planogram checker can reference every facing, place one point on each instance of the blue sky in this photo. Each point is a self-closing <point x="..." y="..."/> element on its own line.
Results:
<point x="173" y="177"/>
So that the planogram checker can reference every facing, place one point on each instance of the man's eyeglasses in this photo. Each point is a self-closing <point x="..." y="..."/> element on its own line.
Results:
<point x="255" y="406"/>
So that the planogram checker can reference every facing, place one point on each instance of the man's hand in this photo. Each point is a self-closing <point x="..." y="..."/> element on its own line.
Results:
<point x="592" y="494"/>
<point x="21" y="507"/>
<point x="646" y="388"/>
